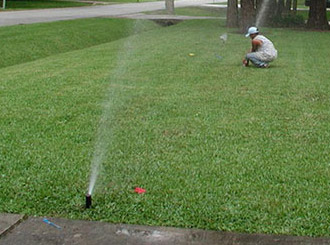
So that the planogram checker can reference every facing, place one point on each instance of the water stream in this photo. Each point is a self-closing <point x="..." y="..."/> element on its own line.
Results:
<point x="262" y="12"/>
<point x="110" y="104"/>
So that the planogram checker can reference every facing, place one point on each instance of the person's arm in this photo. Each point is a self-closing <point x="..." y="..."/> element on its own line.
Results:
<point x="255" y="45"/>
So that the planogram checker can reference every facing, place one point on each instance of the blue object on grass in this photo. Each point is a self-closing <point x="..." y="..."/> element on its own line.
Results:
<point x="218" y="57"/>
<point x="51" y="223"/>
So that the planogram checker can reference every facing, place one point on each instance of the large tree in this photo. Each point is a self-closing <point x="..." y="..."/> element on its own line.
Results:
<point x="232" y="14"/>
<point x="317" y="18"/>
<point x="247" y="14"/>
<point x="169" y="5"/>
<point x="287" y="9"/>
<point x="294" y="7"/>
<point x="280" y="8"/>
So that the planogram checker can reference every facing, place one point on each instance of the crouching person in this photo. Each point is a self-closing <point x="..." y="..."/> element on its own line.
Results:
<point x="262" y="52"/>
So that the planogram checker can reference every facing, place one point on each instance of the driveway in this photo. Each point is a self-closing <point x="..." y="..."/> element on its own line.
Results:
<point x="115" y="10"/>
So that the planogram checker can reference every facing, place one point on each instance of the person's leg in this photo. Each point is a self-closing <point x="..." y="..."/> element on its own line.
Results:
<point x="254" y="58"/>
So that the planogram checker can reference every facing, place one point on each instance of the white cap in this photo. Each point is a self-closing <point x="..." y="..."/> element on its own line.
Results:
<point x="252" y="30"/>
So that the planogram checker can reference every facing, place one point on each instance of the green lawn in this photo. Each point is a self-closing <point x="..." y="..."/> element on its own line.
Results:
<point x="216" y="146"/>
<point x="128" y="1"/>
<point x="41" y="4"/>
<point x="23" y="43"/>
<point x="195" y="11"/>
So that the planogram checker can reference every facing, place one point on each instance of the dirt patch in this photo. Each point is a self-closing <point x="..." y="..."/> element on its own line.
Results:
<point x="167" y="22"/>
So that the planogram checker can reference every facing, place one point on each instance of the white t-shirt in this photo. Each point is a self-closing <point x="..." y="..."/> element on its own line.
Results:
<point x="266" y="51"/>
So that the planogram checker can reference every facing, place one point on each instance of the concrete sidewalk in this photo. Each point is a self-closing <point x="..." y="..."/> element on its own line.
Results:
<point x="17" y="230"/>
<point x="115" y="10"/>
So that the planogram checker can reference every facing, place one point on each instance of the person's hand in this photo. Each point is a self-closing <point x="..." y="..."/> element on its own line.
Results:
<point x="245" y="62"/>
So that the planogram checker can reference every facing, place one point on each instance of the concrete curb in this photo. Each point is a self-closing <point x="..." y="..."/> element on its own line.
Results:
<point x="34" y="231"/>
<point x="8" y="221"/>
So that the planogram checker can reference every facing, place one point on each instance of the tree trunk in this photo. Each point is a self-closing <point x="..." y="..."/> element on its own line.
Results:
<point x="258" y="4"/>
<point x="294" y="7"/>
<point x="169" y="4"/>
<point x="272" y="9"/>
<point x="247" y="14"/>
<point x="287" y="9"/>
<point x="232" y="14"/>
<point x="280" y="8"/>
<point x="317" y="18"/>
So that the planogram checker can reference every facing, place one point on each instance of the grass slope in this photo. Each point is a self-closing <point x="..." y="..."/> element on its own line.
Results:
<point x="216" y="146"/>
<point x="25" y="43"/>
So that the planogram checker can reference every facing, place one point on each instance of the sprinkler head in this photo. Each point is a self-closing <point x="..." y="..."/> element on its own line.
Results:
<point x="88" y="201"/>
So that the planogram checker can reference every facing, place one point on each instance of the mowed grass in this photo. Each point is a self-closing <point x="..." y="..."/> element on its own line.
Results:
<point x="195" y="11"/>
<point x="127" y="1"/>
<point x="215" y="145"/>
<point x="44" y="4"/>
<point x="23" y="43"/>
<point x="41" y="4"/>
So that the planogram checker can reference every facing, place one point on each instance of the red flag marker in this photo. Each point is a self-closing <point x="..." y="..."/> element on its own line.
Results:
<point x="139" y="190"/>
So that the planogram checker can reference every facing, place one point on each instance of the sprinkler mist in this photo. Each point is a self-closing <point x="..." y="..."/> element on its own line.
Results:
<point x="111" y="103"/>
<point x="224" y="37"/>
<point x="88" y="201"/>
<point x="264" y="9"/>
<point x="99" y="155"/>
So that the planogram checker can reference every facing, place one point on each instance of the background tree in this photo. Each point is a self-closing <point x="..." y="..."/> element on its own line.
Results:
<point x="287" y="9"/>
<point x="317" y="18"/>
<point x="169" y="5"/>
<point x="248" y="14"/>
<point x="280" y="8"/>
<point x="232" y="14"/>
<point x="294" y="7"/>
<point x="280" y="13"/>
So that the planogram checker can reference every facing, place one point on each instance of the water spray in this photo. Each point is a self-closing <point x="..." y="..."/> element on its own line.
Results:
<point x="88" y="200"/>
<point x="112" y="102"/>
<point x="99" y="155"/>
<point x="263" y="11"/>
<point x="224" y="37"/>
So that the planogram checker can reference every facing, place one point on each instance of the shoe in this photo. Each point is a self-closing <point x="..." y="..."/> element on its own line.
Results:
<point x="264" y="66"/>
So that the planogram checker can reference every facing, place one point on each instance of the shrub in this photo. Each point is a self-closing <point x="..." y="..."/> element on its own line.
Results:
<point x="288" y="21"/>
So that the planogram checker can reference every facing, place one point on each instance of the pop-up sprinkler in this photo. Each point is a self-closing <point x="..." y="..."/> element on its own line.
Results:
<point x="88" y="201"/>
